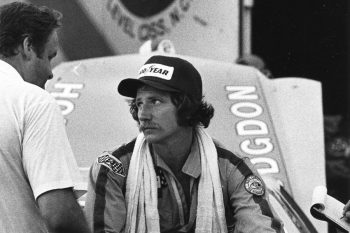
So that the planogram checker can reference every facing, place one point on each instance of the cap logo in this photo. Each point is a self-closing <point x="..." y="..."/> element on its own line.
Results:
<point x="156" y="70"/>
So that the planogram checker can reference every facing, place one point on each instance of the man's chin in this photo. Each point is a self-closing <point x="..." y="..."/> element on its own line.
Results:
<point x="41" y="85"/>
<point x="151" y="138"/>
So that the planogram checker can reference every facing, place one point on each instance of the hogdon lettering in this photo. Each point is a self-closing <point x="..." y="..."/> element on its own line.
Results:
<point x="251" y="129"/>
<point x="64" y="96"/>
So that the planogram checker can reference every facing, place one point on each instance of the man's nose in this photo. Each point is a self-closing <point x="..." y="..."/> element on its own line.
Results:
<point x="144" y="113"/>
<point x="50" y="76"/>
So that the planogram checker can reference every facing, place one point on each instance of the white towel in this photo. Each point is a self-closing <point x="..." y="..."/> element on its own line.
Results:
<point x="141" y="190"/>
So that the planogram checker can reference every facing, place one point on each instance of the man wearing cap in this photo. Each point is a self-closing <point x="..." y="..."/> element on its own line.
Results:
<point x="173" y="177"/>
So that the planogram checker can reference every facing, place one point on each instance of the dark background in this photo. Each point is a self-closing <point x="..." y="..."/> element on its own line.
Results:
<point x="310" y="38"/>
<point x="306" y="38"/>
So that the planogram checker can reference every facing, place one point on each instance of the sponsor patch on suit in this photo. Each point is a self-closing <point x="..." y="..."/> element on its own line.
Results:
<point x="254" y="185"/>
<point x="111" y="162"/>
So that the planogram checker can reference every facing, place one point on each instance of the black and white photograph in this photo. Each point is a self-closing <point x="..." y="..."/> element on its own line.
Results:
<point x="174" y="116"/>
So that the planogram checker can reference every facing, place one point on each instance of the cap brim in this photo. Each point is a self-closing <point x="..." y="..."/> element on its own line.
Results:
<point x="128" y="87"/>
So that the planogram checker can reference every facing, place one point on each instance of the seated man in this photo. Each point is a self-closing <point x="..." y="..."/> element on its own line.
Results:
<point x="173" y="177"/>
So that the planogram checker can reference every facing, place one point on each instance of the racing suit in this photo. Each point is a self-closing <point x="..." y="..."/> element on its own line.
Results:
<point x="246" y="207"/>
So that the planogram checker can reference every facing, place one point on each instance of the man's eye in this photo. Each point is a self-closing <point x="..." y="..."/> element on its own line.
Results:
<point x="138" y="104"/>
<point x="156" y="101"/>
<point x="52" y="56"/>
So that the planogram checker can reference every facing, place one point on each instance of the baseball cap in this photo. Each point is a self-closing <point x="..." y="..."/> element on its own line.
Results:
<point x="165" y="73"/>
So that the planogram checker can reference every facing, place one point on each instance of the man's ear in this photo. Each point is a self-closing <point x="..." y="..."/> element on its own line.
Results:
<point x="27" y="48"/>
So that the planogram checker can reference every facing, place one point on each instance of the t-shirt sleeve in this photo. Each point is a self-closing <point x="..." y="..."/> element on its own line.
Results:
<point x="48" y="159"/>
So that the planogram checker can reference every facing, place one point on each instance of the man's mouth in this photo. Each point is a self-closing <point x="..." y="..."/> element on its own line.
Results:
<point x="143" y="127"/>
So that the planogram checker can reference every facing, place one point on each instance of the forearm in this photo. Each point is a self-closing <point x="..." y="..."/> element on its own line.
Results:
<point x="72" y="221"/>
<point x="61" y="212"/>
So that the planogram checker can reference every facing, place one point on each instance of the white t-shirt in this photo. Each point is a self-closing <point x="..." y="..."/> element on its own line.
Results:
<point x="35" y="155"/>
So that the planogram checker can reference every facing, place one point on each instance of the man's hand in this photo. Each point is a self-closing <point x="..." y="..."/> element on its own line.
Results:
<point x="346" y="211"/>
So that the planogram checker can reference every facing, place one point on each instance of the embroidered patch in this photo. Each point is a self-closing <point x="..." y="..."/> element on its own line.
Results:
<point x="254" y="185"/>
<point x="112" y="163"/>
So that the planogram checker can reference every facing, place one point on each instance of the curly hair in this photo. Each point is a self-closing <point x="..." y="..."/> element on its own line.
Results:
<point x="20" y="20"/>
<point x="190" y="112"/>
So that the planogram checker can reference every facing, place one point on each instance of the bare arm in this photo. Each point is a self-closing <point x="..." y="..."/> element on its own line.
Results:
<point x="62" y="212"/>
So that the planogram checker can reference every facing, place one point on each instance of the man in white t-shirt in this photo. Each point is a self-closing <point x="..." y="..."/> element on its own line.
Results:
<point x="37" y="166"/>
